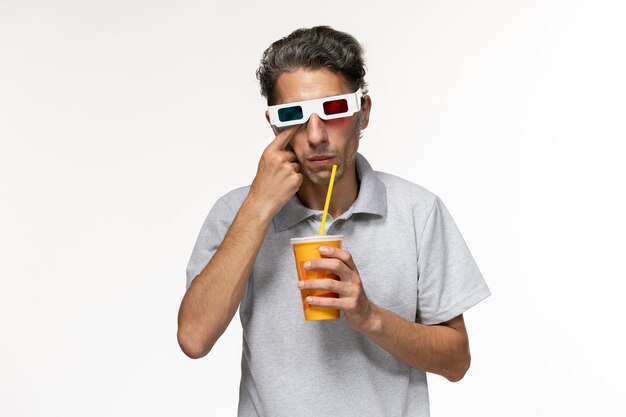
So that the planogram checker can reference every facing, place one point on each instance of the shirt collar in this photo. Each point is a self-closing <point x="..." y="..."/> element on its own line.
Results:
<point x="372" y="199"/>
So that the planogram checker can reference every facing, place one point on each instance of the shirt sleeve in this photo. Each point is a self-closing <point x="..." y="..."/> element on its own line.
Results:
<point x="449" y="281"/>
<point x="211" y="235"/>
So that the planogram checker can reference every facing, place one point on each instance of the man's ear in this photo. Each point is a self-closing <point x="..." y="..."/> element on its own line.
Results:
<point x="267" y="116"/>
<point x="366" y="107"/>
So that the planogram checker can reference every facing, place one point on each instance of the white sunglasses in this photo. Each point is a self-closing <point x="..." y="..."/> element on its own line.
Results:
<point x="327" y="108"/>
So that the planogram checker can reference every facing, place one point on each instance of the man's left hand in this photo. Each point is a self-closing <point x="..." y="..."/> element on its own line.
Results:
<point x="353" y="301"/>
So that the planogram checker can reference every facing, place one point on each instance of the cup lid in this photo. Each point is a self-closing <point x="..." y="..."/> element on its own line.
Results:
<point x="323" y="238"/>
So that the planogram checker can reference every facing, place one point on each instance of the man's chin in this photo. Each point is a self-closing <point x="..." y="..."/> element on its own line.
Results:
<point x="316" y="179"/>
<point x="321" y="176"/>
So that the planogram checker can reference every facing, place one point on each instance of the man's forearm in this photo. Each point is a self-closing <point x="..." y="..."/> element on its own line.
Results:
<point x="441" y="349"/>
<point x="212" y="300"/>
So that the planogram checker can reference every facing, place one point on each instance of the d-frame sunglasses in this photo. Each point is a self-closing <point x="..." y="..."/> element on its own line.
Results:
<point x="326" y="108"/>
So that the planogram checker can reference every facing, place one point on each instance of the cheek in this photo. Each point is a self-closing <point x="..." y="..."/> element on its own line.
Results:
<point x="298" y="143"/>
<point x="339" y="124"/>
<point x="342" y="130"/>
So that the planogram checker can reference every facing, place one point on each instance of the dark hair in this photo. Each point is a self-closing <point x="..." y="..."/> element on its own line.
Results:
<point x="314" y="48"/>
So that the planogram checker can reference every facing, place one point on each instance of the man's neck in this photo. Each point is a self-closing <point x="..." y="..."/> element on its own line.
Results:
<point x="345" y="192"/>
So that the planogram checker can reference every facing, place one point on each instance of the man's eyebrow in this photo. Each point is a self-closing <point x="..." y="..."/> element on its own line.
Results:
<point x="311" y="99"/>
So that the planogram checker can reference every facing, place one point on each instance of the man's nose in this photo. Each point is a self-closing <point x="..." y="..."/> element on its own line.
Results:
<point x="316" y="130"/>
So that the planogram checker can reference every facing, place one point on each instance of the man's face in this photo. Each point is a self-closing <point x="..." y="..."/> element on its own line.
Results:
<point x="318" y="144"/>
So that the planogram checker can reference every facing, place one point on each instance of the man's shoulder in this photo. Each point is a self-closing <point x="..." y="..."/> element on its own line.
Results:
<point x="399" y="188"/>
<point x="233" y="199"/>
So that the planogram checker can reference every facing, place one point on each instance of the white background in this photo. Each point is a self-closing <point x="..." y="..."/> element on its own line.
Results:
<point x="121" y="123"/>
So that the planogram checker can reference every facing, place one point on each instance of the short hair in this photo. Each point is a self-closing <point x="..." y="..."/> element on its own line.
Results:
<point x="314" y="48"/>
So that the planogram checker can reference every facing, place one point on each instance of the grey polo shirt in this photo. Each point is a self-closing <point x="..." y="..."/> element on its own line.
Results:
<point x="412" y="261"/>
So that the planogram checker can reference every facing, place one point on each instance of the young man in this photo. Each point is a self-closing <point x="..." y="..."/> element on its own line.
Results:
<point x="405" y="273"/>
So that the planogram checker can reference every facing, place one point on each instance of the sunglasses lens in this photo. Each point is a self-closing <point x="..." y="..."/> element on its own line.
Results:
<point x="287" y="114"/>
<point x="335" y="107"/>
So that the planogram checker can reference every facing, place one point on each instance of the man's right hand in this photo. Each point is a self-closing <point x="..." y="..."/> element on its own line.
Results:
<point x="212" y="300"/>
<point x="278" y="175"/>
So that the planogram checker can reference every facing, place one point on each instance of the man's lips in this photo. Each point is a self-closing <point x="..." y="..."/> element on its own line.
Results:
<point x="320" y="159"/>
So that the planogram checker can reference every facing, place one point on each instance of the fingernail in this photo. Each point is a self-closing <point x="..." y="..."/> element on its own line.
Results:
<point x="323" y="249"/>
<point x="309" y="299"/>
<point x="307" y="264"/>
<point x="300" y="284"/>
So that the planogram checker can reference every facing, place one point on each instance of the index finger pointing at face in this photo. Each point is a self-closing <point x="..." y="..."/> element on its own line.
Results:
<point x="283" y="138"/>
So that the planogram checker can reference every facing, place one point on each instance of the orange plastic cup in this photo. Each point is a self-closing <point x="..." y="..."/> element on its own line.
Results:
<point x="307" y="249"/>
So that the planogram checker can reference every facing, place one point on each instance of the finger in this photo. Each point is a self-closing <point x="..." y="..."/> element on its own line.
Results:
<point x="331" y="264"/>
<point x="325" y="302"/>
<point x="324" y="284"/>
<point x="291" y="156"/>
<point x="341" y="254"/>
<point x="295" y="166"/>
<point x="282" y="139"/>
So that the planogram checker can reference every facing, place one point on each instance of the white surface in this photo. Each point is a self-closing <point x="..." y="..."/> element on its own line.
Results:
<point x="121" y="123"/>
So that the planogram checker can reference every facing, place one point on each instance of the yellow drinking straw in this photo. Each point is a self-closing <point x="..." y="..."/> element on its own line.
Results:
<point x="330" y="191"/>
